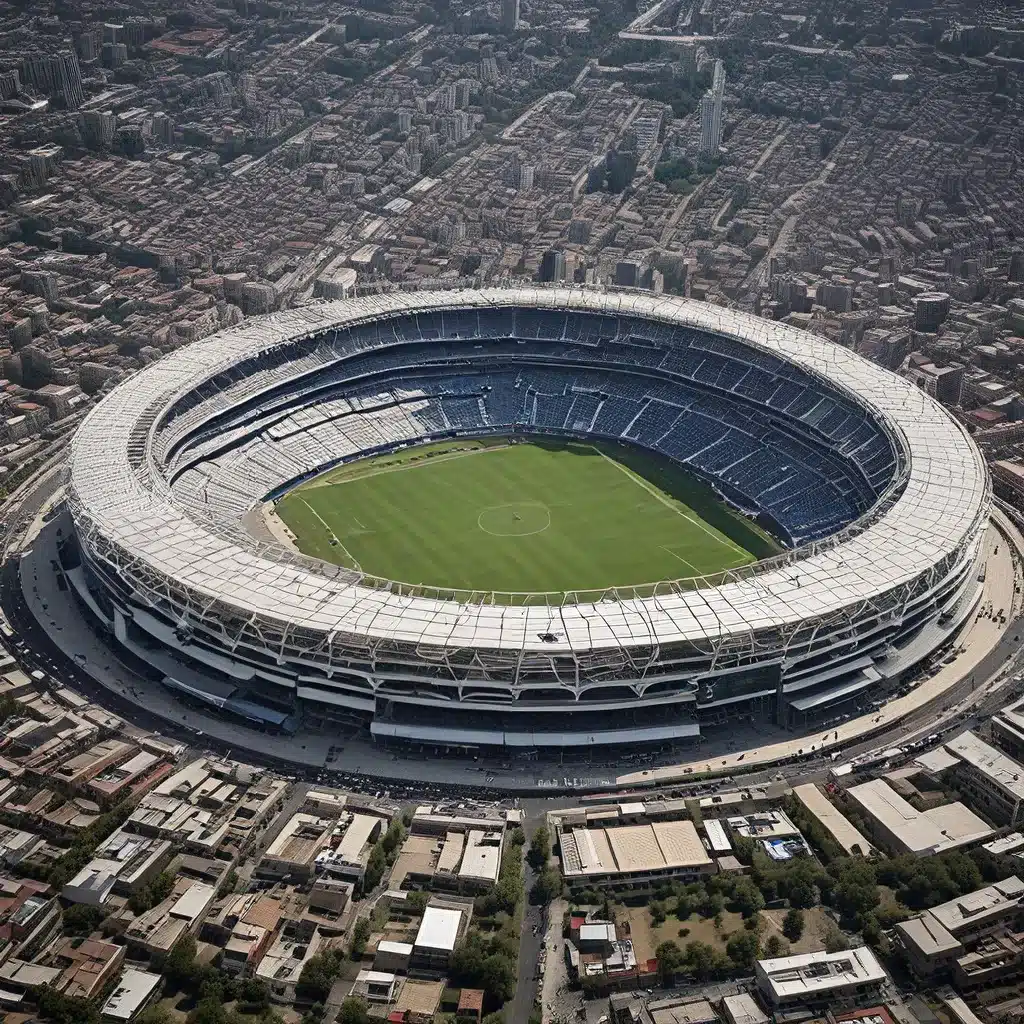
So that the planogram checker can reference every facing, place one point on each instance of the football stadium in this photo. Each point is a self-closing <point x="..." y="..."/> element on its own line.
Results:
<point x="533" y="519"/>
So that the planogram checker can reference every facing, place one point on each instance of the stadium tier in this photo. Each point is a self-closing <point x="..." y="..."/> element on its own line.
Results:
<point x="878" y="497"/>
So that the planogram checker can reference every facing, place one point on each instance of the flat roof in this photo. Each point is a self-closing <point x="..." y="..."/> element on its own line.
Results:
<point x="941" y="508"/>
<point x="787" y="978"/>
<point x="629" y="849"/>
<point x="439" y="929"/>
<point x="717" y="836"/>
<point x="919" y="832"/>
<point x="482" y="858"/>
<point x="842" y="830"/>
<point x="982" y="904"/>
<point x="133" y="988"/>
<point x="928" y="936"/>
<point x="743" y="1009"/>
<point x="1002" y="770"/>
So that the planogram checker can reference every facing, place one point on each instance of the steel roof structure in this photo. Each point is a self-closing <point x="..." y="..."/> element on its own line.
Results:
<point x="118" y="489"/>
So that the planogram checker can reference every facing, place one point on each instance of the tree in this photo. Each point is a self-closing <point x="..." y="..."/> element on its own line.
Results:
<point x="180" y="966"/>
<point x="254" y="993"/>
<point x="360" y="936"/>
<point x="353" y="1011"/>
<point x="375" y="868"/>
<point x="743" y="948"/>
<point x="391" y="839"/>
<point x="498" y="978"/>
<point x="417" y="901"/>
<point x="517" y="837"/>
<point x="793" y="924"/>
<point x="318" y="976"/>
<point x="208" y="1011"/>
<point x="56" y="1006"/>
<point x="774" y="947"/>
<point x="670" y="959"/>
<point x="80" y="919"/>
<point x="547" y="887"/>
<point x="835" y="940"/>
<point x="747" y="897"/>
<point x="154" y="1014"/>
<point x="540" y="849"/>
<point x="699" y="959"/>
<point x="141" y="900"/>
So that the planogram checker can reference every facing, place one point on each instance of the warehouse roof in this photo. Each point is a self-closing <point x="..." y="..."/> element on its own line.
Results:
<point x="630" y="849"/>
<point x="919" y="832"/>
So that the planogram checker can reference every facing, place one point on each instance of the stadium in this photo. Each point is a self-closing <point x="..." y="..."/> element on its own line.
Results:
<point x="530" y="519"/>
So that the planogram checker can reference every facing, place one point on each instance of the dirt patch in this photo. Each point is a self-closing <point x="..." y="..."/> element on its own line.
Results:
<point x="647" y="937"/>
<point x="816" y="924"/>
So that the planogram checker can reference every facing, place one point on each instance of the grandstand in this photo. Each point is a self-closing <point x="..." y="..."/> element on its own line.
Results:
<point x="878" y="496"/>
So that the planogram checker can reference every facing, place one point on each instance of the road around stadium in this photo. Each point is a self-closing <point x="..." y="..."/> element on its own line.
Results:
<point x="974" y="679"/>
<point x="540" y="515"/>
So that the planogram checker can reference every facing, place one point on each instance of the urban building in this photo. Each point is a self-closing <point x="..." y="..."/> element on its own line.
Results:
<point x="820" y="980"/>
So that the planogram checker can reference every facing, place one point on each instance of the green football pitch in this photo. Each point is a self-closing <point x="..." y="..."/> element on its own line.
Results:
<point x="533" y="516"/>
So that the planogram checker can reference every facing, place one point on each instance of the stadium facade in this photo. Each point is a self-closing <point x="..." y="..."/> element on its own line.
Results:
<point x="880" y="497"/>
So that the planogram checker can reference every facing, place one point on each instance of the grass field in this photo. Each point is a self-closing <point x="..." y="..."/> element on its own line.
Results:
<point x="538" y="516"/>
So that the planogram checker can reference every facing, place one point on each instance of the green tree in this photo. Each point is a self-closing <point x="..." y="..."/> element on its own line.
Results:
<point x="517" y="837"/>
<point x="80" y="919"/>
<point x="208" y="1011"/>
<point x="793" y="924"/>
<point x="154" y="1014"/>
<point x="360" y="936"/>
<point x="376" y="865"/>
<point x="498" y="978"/>
<point x="747" y="897"/>
<point x="417" y="901"/>
<point x="392" y="839"/>
<point x="540" y="848"/>
<point x="699" y="959"/>
<point x="547" y="887"/>
<point x="743" y="948"/>
<point x="318" y="976"/>
<point x="670" y="959"/>
<point x="354" y="1011"/>
<point x="774" y="947"/>
<point x="254" y="993"/>
<point x="62" y="1009"/>
<point x="179" y="968"/>
<point x="835" y="940"/>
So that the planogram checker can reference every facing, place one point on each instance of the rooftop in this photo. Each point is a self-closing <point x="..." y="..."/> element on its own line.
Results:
<point x="933" y="515"/>
<point x="626" y="849"/>
<point x="787" y="978"/>
<point x="919" y="832"/>
<point x="990" y="761"/>
<point x="131" y="992"/>
<point x="439" y="929"/>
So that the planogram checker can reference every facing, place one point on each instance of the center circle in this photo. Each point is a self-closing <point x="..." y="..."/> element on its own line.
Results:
<point x="517" y="519"/>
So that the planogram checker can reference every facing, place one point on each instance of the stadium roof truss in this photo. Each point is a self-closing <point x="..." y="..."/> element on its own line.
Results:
<point x="241" y="591"/>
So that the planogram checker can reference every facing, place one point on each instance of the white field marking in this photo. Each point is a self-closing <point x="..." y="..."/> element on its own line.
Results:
<point x="513" y="504"/>
<point x="658" y="496"/>
<point x="685" y="561"/>
<point x="330" y="533"/>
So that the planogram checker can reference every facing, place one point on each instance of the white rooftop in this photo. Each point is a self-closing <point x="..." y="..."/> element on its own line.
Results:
<point x="940" y="509"/>
<point x="132" y="990"/>
<point x="811" y="975"/>
<point x="439" y="929"/>
<point x="919" y="832"/>
<point x="1003" y="771"/>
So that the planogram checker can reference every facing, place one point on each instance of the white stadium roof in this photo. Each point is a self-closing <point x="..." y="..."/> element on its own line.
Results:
<point x="940" y="508"/>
